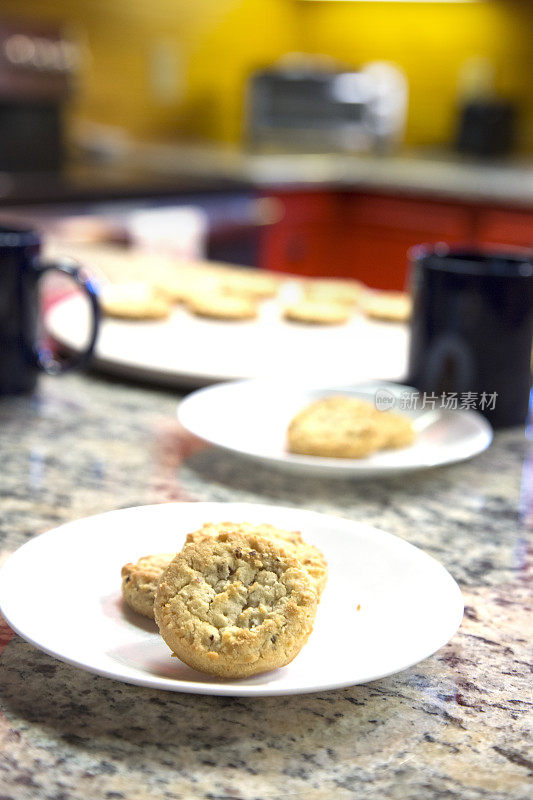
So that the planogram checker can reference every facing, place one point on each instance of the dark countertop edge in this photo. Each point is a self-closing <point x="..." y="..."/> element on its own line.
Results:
<point x="45" y="188"/>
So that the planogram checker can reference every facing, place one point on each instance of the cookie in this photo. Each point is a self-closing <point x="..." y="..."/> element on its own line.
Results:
<point x="396" y="430"/>
<point x="339" y="426"/>
<point x="387" y="306"/>
<point x="256" y="285"/>
<point x="317" y="312"/>
<point x="235" y="605"/>
<point x="334" y="290"/>
<point x="139" y="581"/>
<point x="135" y="301"/>
<point x="334" y="427"/>
<point x="308" y="555"/>
<point x="186" y="282"/>
<point x="221" y="306"/>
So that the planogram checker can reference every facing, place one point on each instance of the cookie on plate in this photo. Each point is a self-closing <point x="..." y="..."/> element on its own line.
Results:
<point x="250" y="283"/>
<point x="317" y="312"/>
<point x="336" y="426"/>
<point x="178" y="286"/>
<point x="139" y="581"/>
<point x="135" y="301"/>
<point x="396" y="430"/>
<point x="221" y="306"/>
<point x="334" y="290"/>
<point x="235" y="605"/>
<point x="387" y="306"/>
<point x="308" y="555"/>
<point x="340" y="426"/>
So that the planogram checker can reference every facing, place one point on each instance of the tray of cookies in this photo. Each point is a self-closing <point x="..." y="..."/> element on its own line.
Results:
<point x="193" y="324"/>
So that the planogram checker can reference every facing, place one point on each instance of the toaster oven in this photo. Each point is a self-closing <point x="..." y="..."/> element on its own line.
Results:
<point x="304" y="108"/>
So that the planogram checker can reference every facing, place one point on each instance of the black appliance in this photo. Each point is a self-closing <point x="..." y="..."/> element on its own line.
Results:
<point x="36" y="67"/>
<point x="487" y="128"/>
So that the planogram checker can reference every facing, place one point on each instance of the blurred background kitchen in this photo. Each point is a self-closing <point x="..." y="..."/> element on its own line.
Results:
<point x="318" y="137"/>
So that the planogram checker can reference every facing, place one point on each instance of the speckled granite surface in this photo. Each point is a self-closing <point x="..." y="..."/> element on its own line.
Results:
<point x="455" y="726"/>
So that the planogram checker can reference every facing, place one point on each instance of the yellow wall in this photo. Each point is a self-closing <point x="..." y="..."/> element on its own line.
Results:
<point x="210" y="46"/>
<point x="214" y="44"/>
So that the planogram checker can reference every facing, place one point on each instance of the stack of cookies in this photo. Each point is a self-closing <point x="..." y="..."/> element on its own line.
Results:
<point x="239" y="599"/>
<point x="341" y="426"/>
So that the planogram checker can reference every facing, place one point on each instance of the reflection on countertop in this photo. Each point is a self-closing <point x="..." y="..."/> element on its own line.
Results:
<point x="455" y="725"/>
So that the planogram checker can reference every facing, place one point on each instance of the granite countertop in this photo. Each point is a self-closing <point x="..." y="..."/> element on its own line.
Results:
<point x="456" y="725"/>
<point x="440" y="174"/>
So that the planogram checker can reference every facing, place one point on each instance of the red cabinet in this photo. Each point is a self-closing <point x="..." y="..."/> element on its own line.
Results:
<point x="506" y="227"/>
<point x="367" y="236"/>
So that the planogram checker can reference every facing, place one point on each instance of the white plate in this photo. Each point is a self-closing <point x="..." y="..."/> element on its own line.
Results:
<point x="409" y="604"/>
<point x="189" y="350"/>
<point x="250" y="418"/>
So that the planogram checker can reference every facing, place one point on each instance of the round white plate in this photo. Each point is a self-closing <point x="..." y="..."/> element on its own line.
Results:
<point x="250" y="418"/>
<point x="189" y="350"/>
<point x="387" y="605"/>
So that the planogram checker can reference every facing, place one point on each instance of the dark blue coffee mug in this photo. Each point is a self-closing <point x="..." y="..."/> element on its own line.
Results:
<point x="21" y="355"/>
<point x="472" y="328"/>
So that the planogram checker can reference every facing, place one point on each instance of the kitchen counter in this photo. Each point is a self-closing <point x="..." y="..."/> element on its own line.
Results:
<point x="453" y="726"/>
<point x="427" y="173"/>
<point x="169" y="170"/>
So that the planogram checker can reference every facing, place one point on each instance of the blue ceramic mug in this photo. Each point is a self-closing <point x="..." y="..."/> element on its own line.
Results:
<point x="22" y="357"/>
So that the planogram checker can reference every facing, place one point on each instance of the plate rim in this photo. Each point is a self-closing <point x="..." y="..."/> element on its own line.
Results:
<point x="349" y="468"/>
<point x="232" y="690"/>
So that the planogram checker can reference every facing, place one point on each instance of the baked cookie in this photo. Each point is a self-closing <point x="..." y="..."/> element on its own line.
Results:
<point x="396" y="430"/>
<point x="250" y="283"/>
<point x="185" y="282"/>
<point x="336" y="427"/>
<point x="339" y="426"/>
<point x="387" y="306"/>
<point x="139" y="581"/>
<point x="317" y="312"/>
<point x="308" y="555"/>
<point x="221" y="306"/>
<point x="133" y="301"/>
<point x="334" y="290"/>
<point x="235" y="605"/>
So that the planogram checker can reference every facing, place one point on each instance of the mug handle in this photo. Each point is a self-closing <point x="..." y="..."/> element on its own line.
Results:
<point x="44" y="358"/>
